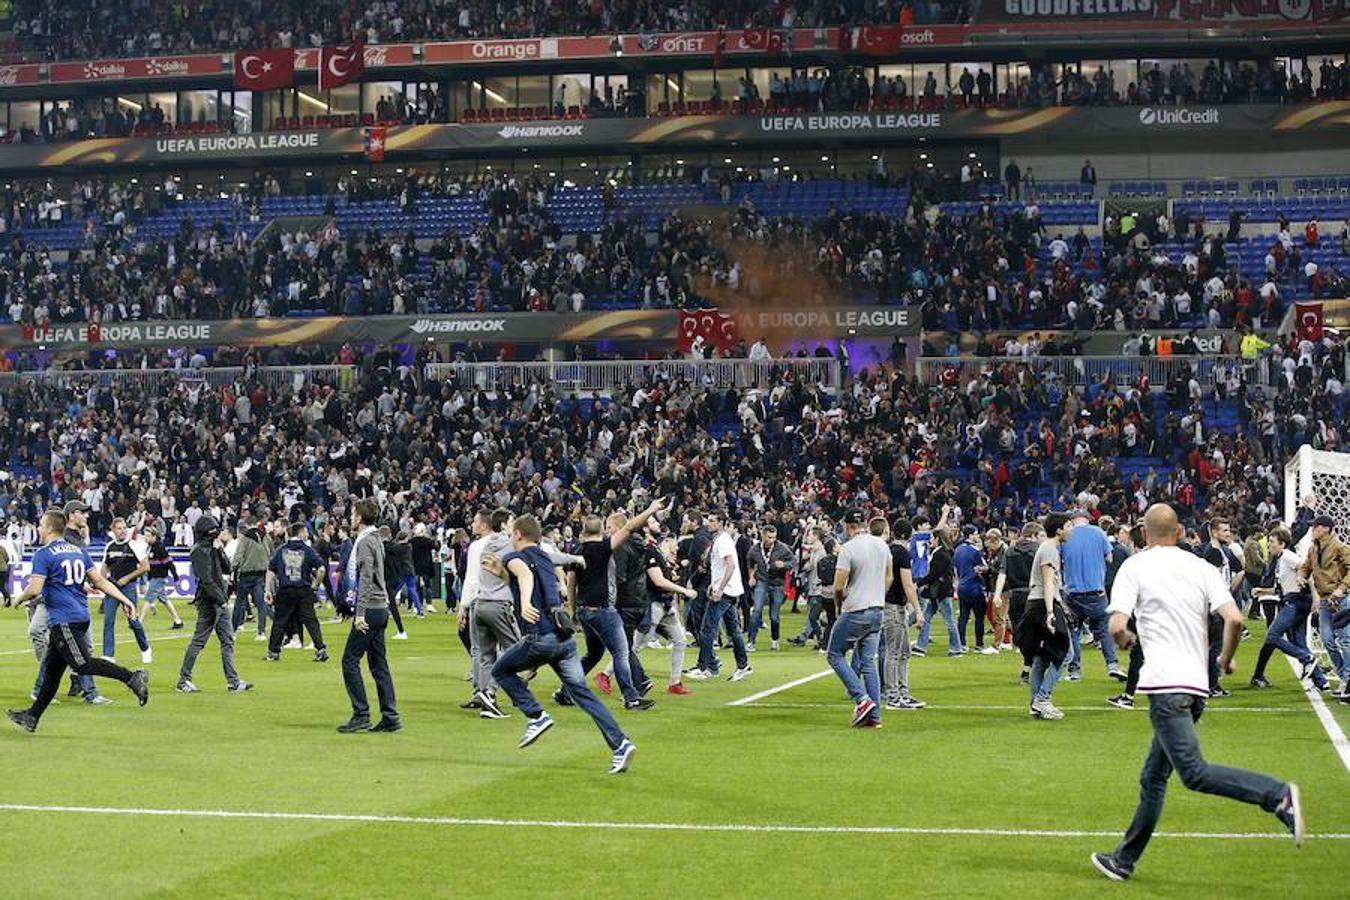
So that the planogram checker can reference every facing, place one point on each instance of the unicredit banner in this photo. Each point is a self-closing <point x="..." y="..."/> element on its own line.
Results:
<point x="1141" y="123"/>
<point x="1206" y="12"/>
<point x="659" y="325"/>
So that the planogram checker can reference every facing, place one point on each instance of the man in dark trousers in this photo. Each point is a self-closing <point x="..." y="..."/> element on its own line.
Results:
<point x="367" y="594"/>
<point x="249" y="566"/>
<point x="1171" y="594"/>
<point x="1087" y="178"/>
<point x="1012" y="176"/>
<point x="213" y="608"/>
<point x="60" y="571"/>
<point x="293" y="578"/>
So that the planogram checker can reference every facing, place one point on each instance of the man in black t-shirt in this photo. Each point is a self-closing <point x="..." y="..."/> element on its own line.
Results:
<point x="899" y="613"/>
<point x="161" y="572"/>
<point x="594" y="591"/>
<point x="693" y="553"/>
<point x="123" y="566"/>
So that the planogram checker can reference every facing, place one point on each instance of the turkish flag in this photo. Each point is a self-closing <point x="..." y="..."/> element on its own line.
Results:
<point x="879" y="40"/>
<point x="770" y="40"/>
<point x="341" y="65"/>
<point x="95" y="333"/>
<point x="264" y="70"/>
<point x="1309" y="321"/>
<point x="717" y="329"/>
<point x="375" y="140"/>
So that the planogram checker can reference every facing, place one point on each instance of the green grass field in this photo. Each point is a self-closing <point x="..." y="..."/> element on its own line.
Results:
<point x="787" y="760"/>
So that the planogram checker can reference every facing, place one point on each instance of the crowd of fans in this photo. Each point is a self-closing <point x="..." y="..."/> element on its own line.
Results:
<point x="999" y="445"/>
<point x="83" y="29"/>
<point x="969" y="269"/>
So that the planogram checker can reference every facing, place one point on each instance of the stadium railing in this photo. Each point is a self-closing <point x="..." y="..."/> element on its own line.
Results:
<point x="274" y="377"/>
<point x="1078" y="371"/>
<point x="605" y="376"/>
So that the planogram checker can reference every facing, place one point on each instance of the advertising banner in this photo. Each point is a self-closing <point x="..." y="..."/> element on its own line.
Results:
<point x="659" y="325"/>
<point x="157" y="67"/>
<point x="1196" y="12"/>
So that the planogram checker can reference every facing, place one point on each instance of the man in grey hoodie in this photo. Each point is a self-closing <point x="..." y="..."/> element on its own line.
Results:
<point x="364" y="574"/>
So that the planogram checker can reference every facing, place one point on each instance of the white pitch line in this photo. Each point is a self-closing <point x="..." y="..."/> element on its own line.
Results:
<point x="782" y="687"/>
<point x="1339" y="743"/>
<point x="185" y="633"/>
<point x="751" y="828"/>
<point x="841" y="705"/>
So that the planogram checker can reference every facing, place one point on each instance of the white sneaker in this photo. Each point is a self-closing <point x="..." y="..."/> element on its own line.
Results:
<point x="750" y="647"/>
<point x="430" y="608"/>
<point x="741" y="674"/>
<point x="401" y="636"/>
<point x="260" y="637"/>
<point x="773" y="646"/>
<point x="147" y="656"/>
<point x="988" y="651"/>
<point x="698" y="675"/>
<point x="293" y="644"/>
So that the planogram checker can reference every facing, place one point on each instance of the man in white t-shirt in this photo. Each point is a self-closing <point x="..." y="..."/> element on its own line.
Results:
<point x="863" y="574"/>
<point x="725" y="588"/>
<point x="1171" y="594"/>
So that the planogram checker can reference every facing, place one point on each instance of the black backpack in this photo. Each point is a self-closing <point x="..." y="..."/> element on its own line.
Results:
<point x="825" y="569"/>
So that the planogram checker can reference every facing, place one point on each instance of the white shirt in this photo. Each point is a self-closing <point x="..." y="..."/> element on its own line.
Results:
<point x="473" y="563"/>
<point x="1170" y="593"/>
<point x="724" y="555"/>
<point x="1286" y="572"/>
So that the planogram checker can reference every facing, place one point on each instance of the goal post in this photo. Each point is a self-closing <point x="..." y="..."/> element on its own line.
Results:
<point x="1326" y="476"/>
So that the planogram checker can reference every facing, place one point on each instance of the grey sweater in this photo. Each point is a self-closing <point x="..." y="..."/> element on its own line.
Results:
<point x="371" y="592"/>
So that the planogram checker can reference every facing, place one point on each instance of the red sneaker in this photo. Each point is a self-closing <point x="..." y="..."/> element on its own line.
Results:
<point x="870" y="723"/>
<point x="678" y="688"/>
<point x="603" y="683"/>
<point x="863" y="711"/>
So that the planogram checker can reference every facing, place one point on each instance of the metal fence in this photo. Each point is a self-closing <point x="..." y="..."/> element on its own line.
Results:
<point x="608" y="376"/>
<point x="275" y="378"/>
<point x="1084" y="370"/>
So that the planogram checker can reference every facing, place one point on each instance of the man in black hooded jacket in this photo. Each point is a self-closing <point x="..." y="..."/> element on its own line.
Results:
<point x="213" y="608"/>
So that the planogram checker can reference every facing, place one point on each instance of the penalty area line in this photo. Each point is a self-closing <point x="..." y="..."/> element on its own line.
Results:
<point x="796" y="682"/>
<point x="751" y="828"/>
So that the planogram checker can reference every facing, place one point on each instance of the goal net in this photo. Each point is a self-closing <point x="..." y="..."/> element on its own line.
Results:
<point x="1325" y="476"/>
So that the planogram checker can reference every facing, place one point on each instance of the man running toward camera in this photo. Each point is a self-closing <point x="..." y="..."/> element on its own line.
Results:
<point x="548" y="639"/>
<point x="59" y="574"/>
<point x="1171" y="594"/>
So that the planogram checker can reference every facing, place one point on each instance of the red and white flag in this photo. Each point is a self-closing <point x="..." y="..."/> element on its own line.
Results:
<point x="879" y="40"/>
<point x="715" y="328"/>
<point x="1309" y="321"/>
<point x="770" y="40"/>
<point x="341" y="65"/>
<point x="264" y="70"/>
<point x="376" y="136"/>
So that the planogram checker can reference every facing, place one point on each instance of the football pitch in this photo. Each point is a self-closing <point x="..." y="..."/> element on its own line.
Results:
<point x="749" y="789"/>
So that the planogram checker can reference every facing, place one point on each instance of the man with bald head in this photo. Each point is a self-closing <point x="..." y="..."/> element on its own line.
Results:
<point x="1171" y="594"/>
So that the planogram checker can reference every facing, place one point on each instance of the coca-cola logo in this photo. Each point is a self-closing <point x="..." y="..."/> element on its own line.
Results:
<point x="683" y="43"/>
<point x="377" y="56"/>
<point x="9" y="75"/>
<point x="166" y="66"/>
<point x="93" y="70"/>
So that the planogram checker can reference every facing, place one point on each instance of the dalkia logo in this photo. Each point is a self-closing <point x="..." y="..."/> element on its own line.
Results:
<point x="456" y="326"/>
<point x="1179" y="116"/>
<point x="166" y="67"/>
<point x="537" y="131"/>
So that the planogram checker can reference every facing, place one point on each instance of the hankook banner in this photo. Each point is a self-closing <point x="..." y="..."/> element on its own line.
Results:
<point x="693" y="131"/>
<point x="629" y="325"/>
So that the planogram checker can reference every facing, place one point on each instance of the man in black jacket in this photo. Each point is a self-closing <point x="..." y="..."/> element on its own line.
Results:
<point x="213" y="608"/>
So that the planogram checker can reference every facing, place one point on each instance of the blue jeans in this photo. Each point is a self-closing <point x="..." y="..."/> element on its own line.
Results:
<point x="933" y="608"/>
<point x="860" y="629"/>
<point x="772" y="593"/>
<point x="111" y="608"/>
<point x="1286" y="633"/>
<point x="1175" y="746"/>
<point x="715" y="614"/>
<point x="1329" y="640"/>
<point x="1091" y="608"/>
<point x="604" y="631"/>
<point x="1044" y="674"/>
<point x="533" y="651"/>
<point x="1340" y="647"/>
<point x="250" y="587"/>
<point x="407" y="586"/>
